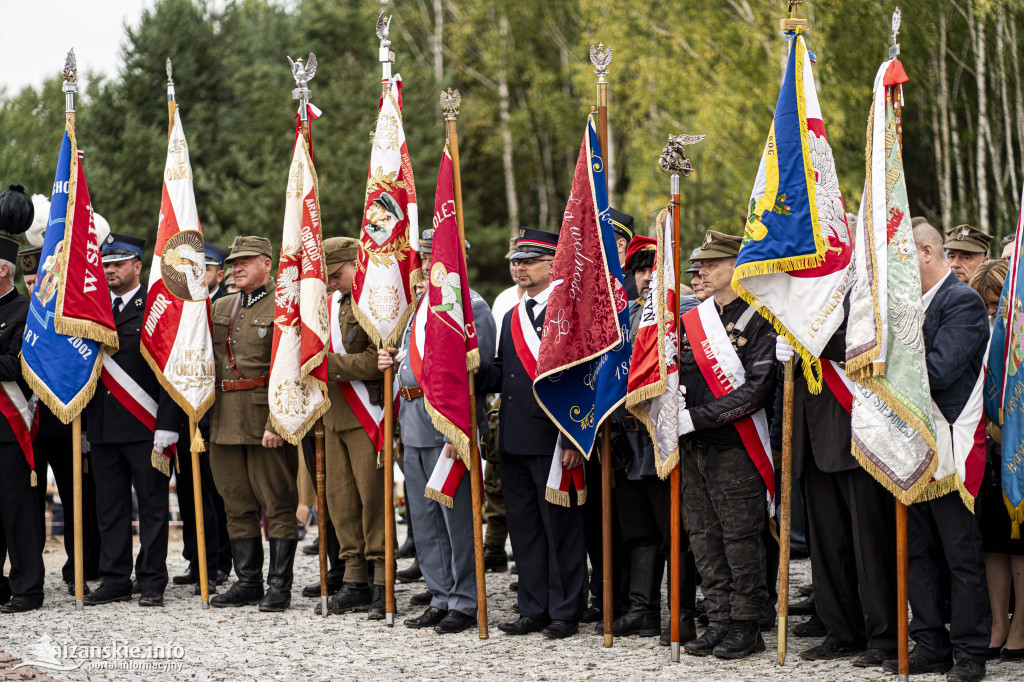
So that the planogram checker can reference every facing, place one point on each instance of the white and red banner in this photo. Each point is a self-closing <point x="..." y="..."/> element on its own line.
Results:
<point x="382" y="292"/>
<point x="136" y="400"/>
<point x="723" y="371"/>
<point x="176" y="338"/>
<point x="298" y="363"/>
<point x="653" y="388"/>
<point x="20" y="413"/>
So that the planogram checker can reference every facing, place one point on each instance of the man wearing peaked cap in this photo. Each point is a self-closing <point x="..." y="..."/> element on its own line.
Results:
<point x="966" y="248"/>
<point x="21" y="524"/>
<point x="126" y="451"/>
<point x="252" y="465"/>
<point x="28" y="259"/>
<point x="215" y="259"/>
<point x="622" y="224"/>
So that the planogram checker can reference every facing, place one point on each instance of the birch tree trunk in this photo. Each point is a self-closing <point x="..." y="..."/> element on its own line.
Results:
<point x="945" y="108"/>
<point x="977" y="30"/>
<point x="1011" y="159"/>
<point x="511" y="198"/>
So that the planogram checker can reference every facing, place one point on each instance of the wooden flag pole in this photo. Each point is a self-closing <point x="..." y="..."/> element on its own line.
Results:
<point x="784" y="507"/>
<point x="197" y="485"/>
<point x="673" y="160"/>
<point x="450" y="102"/>
<point x="600" y="58"/>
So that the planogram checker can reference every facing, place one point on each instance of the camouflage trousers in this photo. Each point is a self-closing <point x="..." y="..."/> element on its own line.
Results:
<point x="724" y="505"/>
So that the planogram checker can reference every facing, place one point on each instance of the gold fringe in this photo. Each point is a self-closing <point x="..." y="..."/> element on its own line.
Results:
<point x="1016" y="516"/>
<point x="296" y="438"/>
<point x="394" y="338"/>
<point x="160" y="463"/>
<point x="197" y="444"/>
<point x="951" y="483"/>
<point x="581" y="497"/>
<point x="33" y="480"/>
<point x="993" y="431"/>
<point x="908" y="496"/>
<point x="472" y="359"/>
<point x="438" y="497"/>
<point x="191" y="412"/>
<point x="380" y="458"/>
<point x="66" y="413"/>
<point x="559" y="497"/>
<point x="449" y="430"/>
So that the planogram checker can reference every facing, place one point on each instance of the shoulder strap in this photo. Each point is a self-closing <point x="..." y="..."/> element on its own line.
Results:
<point x="231" y="325"/>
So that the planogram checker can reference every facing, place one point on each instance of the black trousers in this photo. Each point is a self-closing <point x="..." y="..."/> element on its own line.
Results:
<point x="937" y="530"/>
<point x="117" y="467"/>
<point x="57" y="454"/>
<point x="335" y="567"/>
<point x="215" y="527"/>
<point x="595" y="540"/>
<point x="644" y="508"/>
<point x="21" y="524"/>
<point x="852" y="530"/>
<point x="549" y="541"/>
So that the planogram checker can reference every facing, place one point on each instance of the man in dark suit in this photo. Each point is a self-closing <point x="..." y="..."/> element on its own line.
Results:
<point x="943" y="533"/>
<point x="549" y="541"/>
<point x="131" y="424"/>
<point x="851" y="522"/>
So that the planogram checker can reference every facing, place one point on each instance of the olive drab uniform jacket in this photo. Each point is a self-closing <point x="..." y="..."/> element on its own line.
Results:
<point x="359" y="363"/>
<point x="246" y="323"/>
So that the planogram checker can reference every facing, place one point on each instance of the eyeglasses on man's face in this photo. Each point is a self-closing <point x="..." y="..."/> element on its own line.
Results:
<point x="529" y="262"/>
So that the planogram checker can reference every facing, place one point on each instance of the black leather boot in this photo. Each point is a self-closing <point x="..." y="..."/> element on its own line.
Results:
<point x="279" y="577"/>
<point x="408" y="548"/>
<point x="744" y="638"/>
<point x="644" y="615"/>
<point x="248" y="589"/>
<point x="706" y="643"/>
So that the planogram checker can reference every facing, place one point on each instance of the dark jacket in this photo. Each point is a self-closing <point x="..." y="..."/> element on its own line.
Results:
<point x="13" y="311"/>
<point x="956" y="334"/>
<point x="111" y="422"/>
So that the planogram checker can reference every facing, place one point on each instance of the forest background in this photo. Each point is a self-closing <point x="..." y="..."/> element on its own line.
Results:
<point x="527" y="85"/>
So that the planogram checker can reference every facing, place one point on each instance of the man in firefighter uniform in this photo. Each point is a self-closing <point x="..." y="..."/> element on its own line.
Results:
<point x="252" y="465"/>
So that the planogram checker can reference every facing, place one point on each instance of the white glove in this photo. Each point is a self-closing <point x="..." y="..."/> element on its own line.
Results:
<point x="681" y="396"/>
<point x="85" y="444"/>
<point x="164" y="439"/>
<point x="783" y="351"/>
<point x="685" y="423"/>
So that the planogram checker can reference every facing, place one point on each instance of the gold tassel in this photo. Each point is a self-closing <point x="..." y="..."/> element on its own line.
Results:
<point x="33" y="481"/>
<point x="160" y="463"/>
<point x="559" y="497"/>
<point x="581" y="497"/>
<point x="197" y="442"/>
<point x="438" y="497"/>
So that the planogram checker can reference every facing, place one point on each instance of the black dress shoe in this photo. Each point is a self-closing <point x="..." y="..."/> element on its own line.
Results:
<point x="830" y="649"/>
<point x="560" y="629"/>
<point x="135" y="586"/>
<point x="377" y="608"/>
<point x="421" y="598"/>
<point x="187" y="578"/>
<point x="411" y="574"/>
<point x="804" y="607"/>
<point x="812" y="627"/>
<point x="21" y="604"/>
<point x="495" y="559"/>
<point x="313" y="591"/>
<point x="919" y="663"/>
<point x="105" y="594"/>
<point x="210" y="585"/>
<point x="71" y="588"/>
<point x="744" y="638"/>
<point x="1013" y="654"/>
<point x="706" y="643"/>
<point x="455" y="621"/>
<point x="222" y="577"/>
<point x="431" y="617"/>
<point x="592" y="614"/>
<point x="312" y="548"/>
<point x="872" y="658"/>
<point x="151" y="598"/>
<point x="644" y="624"/>
<point x="993" y="653"/>
<point x="523" y="626"/>
<point x="966" y="670"/>
<point x="687" y="632"/>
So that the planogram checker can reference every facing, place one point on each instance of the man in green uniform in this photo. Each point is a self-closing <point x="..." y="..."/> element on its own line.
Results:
<point x="252" y="466"/>
<point x="966" y="248"/>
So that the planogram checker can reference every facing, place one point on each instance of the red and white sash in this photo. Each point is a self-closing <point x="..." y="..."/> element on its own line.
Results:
<point x="136" y="400"/>
<point x="356" y="393"/>
<point x="838" y="383"/>
<point x="960" y="448"/>
<point x="525" y="339"/>
<point x="20" y="413"/>
<point x="721" y="367"/>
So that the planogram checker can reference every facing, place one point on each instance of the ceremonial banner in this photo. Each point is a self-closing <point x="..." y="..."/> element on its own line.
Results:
<point x="177" y="341"/>
<point x="298" y="362"/>
<point x="1004" y="382"/>
<point x="584" y="355"/>
<point x="450" y="347"/>
<point x="388" y="267"/>
<point x="796" y="249"/>
<point x="70" y="320"/>
<point x="653" y="386"/>
<point x="893" y="433"/>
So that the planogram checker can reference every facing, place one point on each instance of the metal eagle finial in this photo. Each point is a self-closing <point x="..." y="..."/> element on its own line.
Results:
<point x="897" y="19"/>
<point x="451" y="100"/>
<point x="70" y="67"/>
<point x="600" y="57"/>
<point x="383" y="27"/>
<point x="303" y="73"/>
<point x="673" y="158"/>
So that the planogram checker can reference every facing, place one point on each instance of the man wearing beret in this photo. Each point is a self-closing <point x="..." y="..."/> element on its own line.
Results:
<point x="444" y="535"/>
<point x="125" y="451"/>
<point x="724" y="492"/>
<point x="966" y="248"/>
<point x="355" y="480"/>
<point x="252" y="465"/>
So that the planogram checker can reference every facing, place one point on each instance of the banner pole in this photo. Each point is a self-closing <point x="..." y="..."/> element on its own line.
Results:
<point x="784" y="508"/>
<point x="450" y="103"/>
<point x="389" y="498"/>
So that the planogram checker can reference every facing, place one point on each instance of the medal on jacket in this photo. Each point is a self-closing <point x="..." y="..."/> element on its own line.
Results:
<point x="351" y="336"/>
<point x="262" y="331"/>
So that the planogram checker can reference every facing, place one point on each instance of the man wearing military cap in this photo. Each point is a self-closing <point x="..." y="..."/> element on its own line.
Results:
<point x="548" y="539"/>
<point x="444" y="535"/>
<point x="125" y="451"/>
<point x="966" y="248"/>
<point x="723" y="490"/>
<point x="252" y="465"/>
<point x="355" y="481"/>
<point x="215" y="259"/>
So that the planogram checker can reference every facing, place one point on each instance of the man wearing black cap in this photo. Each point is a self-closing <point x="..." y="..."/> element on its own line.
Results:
<point x="549" y="540"/>
<point x="21" y="525"/>
<point x="127" y="452"/>
<point x="622" y="223"/>
<point x="215" y="271"/>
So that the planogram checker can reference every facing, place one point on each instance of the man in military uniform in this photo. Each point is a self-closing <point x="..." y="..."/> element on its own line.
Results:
<point x="355" y="481"/>
<point x="21" y="524"/>
<point x="723" y="489"/>
<point x="252" y="465"/>
<point x="126" y="452"/>
<point x="444" y="536"/>
<point x="966" y="248"/>
<point x="549" y="540"/>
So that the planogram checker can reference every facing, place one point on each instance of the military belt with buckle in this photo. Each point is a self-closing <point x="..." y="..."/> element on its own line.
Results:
<point x="410" y="393"/>
<point x="244" y="384"/>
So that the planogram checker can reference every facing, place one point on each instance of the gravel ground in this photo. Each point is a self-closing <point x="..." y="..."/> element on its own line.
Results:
<point x="243" y="644"/>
